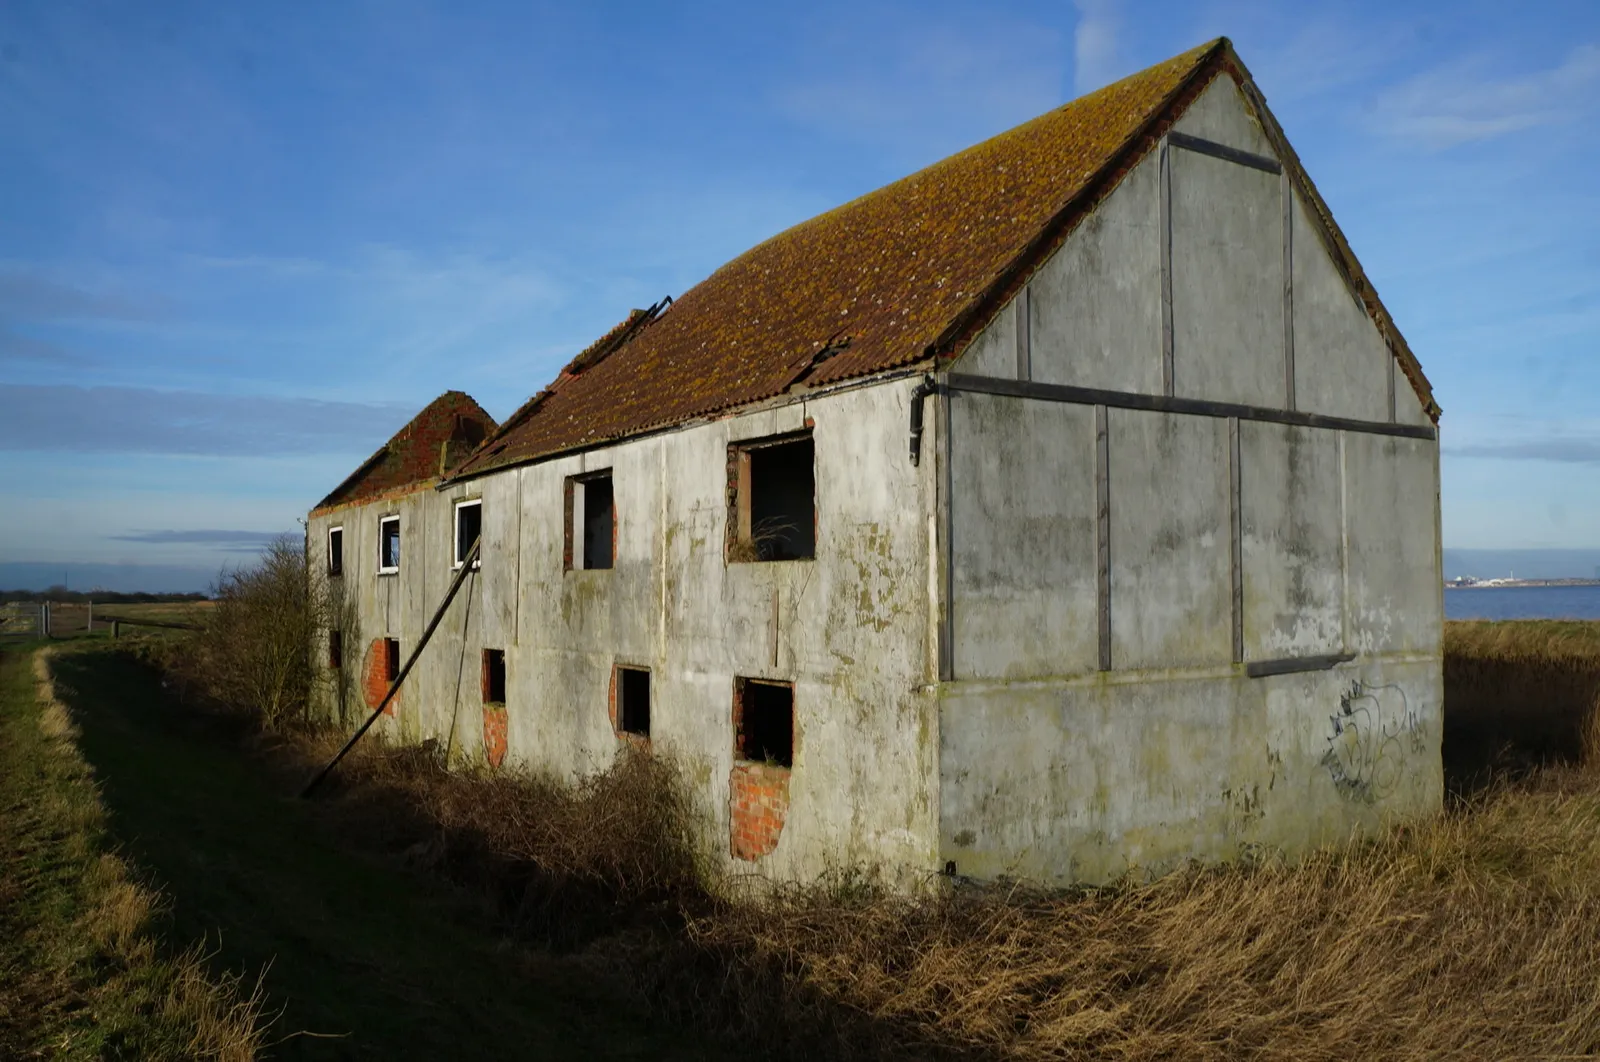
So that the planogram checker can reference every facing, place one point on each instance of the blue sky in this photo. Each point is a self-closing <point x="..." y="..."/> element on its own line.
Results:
<point x="242" y="243"/>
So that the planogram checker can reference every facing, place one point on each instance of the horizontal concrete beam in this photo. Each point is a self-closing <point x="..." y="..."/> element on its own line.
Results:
<point x="1088" y="396"/>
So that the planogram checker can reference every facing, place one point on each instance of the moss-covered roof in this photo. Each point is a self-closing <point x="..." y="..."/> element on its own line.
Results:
<point x="434" y="442"/>
<point x="903" y="275"/>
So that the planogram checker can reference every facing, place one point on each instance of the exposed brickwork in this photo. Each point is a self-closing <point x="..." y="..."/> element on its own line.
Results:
<point x="375" y="676"/>
<point x="494" y="734"/>
<point x="758" y="802"/>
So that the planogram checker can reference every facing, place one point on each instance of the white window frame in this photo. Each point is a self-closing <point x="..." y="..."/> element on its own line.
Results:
<point x="455" y="533"/>
<point x="382" y="520"/>
<point x="340" y="529"/>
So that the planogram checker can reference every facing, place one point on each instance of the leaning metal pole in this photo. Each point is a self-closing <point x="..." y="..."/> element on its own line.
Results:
<point x="394" y="687"/>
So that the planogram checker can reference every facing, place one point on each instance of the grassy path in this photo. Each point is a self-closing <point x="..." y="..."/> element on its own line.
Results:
<point x="375" y="962"/>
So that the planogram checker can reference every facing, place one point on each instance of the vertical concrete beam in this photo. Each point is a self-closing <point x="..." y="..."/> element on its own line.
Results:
<point x="947" y="631"/>
<point x="1165" y="230"/>
<point x="1102" y="482"/>
<point x="1024" y="310"/>
<point x="1288" y="289"/>
<point x="1236" y="534"/>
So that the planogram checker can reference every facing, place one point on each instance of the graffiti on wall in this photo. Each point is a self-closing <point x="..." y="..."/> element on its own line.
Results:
<point x="1371" y="737"/>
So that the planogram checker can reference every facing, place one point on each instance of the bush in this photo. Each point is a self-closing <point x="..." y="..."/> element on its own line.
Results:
<point x="253" y="655"/>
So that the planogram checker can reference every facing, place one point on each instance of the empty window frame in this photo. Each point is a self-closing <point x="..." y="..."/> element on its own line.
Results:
<point x="591" y="521"/>
<point x="772" y="504"/>
<point x="391" y="660"/>
<point x="335" y="650"/>
<point x="763" y="721"/>
<point x="469" y="525"/>
<point x="633" y="701"/>
<point x="388" y="545"/>
<point x="336" y="551"/>
<point x="494" y="676"/>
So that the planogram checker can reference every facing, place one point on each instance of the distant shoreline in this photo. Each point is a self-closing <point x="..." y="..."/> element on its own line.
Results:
<point x="1503" y="584"/>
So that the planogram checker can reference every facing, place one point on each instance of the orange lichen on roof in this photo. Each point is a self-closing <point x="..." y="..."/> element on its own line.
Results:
<point x="436" y="440"/>
<point x="876" y="281"/>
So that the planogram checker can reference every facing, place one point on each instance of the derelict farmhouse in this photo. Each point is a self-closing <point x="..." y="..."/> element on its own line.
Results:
<point x="1067" y="508"/>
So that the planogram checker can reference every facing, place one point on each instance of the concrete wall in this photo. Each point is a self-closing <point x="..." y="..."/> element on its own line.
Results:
<point x="1054" y="770"/>
<point x="851" y="629"/>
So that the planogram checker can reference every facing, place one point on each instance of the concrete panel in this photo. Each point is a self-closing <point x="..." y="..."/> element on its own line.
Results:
<point x="1227" y="281"/>
<point x="1220" y="115"/>
<point x="1096" y="304"/>
<point x="1089" y="781"/>
<point x="1407" y="404"/>
<point x="1395" y="587"/>
<point x="1341" y="362"/>
<point x="994" y="351"/>
<point x="1291" y="533"/>
<point x="1023" y="532"/>
<point x="1171" y="591"/>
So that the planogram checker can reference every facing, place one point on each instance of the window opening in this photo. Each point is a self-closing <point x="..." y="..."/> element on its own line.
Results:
<point x="391" y="660"/>
<point x="469" y="525"/>
<point x="335" y="650"/>
<point x="774" y="512"/>
<point x="764" y="722"/>
<point x="494" y="676"/>
<point x="389" y="544"/>
<point x="591" y="529"/>
<point x="335" y="551"/>
<point x="633" y="701"/>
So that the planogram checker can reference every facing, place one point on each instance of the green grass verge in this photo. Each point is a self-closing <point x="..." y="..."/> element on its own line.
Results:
<point x="81" y="974"/>
<point x="369" y="959"/>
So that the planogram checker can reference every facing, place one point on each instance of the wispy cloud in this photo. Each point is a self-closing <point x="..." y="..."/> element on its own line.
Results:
<point x="1094" y="44"/>
<point x="141" y="420"/>
<point x="32" y="294"/>
<point x="1465" y="101"/>
<point x="202" y="537"/>
<point x="18" y="347"/>
<point x="1577" y="451"/>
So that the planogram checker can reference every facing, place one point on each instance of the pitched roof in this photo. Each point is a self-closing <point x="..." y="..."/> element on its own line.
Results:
<point x="903" y="275"/>
<point x="436" y="440"/>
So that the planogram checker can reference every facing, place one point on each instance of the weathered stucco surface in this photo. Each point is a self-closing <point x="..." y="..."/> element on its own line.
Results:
<point x="849" y="629"/>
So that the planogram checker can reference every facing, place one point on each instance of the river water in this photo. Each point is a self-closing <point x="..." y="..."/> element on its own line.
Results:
<point x="1523" y="602"/>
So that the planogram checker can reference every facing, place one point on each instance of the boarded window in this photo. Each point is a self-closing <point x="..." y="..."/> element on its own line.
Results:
<point x="633" y="701"/>
<point x="469" y="524"/>
<point x="335" y="649"/>
<point x="772" y="508"/>
<point x="591" y="521"/>
<point x="389" y="544"/>
<point x="335" y="551"/>
<point x="391" y="660"/>
<point x="763" y="717"/>
<point x="494" y="676"/>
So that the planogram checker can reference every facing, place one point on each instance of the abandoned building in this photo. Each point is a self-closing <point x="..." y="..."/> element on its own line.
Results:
<point x="1065" y="509"/>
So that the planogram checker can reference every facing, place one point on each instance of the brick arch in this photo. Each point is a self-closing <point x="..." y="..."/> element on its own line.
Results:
<point x="758" y="803"/>
<point x="374" y="678"/>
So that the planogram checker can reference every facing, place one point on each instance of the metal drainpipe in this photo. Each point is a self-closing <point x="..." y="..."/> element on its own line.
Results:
<point x="922" y="391"/>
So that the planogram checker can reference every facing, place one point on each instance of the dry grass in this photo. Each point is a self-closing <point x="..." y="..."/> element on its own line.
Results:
<point x="1475" y="935"/>
<point x="90" y="969"/>
<point x="1519" y="694"/>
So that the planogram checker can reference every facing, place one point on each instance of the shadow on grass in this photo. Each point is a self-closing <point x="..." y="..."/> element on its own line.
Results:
<point x="375" y="961"/>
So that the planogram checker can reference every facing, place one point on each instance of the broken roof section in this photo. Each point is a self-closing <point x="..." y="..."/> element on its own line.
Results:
<point x="901" y="276"/>
<point x="421" y="453"/>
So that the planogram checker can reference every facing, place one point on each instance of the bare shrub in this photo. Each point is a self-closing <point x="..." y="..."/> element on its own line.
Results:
<point x="253" y="655"/>
<point x="563" y="861"/>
